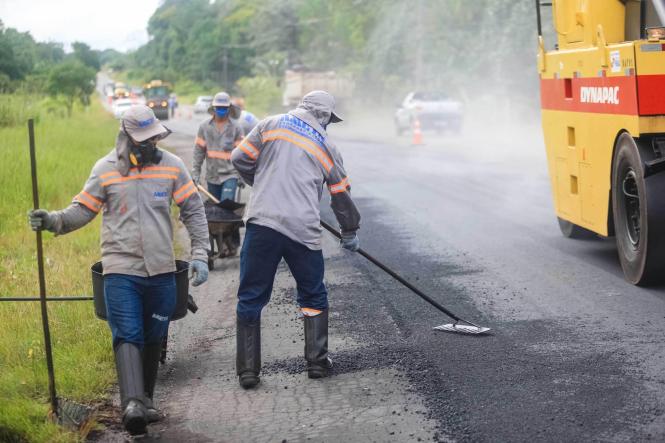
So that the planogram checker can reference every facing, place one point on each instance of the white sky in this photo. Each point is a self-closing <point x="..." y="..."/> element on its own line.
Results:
<point x="102" y="24"/>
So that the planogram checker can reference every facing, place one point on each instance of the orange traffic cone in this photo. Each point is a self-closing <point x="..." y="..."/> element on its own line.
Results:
<point x="417" y="134"/>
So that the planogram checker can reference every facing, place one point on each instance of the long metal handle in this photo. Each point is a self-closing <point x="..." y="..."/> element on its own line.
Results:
<point x="394" y="275"/>
<point x="42" y="279"/>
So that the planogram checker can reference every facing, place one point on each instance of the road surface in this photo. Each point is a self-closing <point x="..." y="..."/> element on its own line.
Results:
<point x="575" y="352"/>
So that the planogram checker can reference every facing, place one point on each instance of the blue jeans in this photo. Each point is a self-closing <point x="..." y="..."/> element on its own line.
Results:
<point x="224" y="191"/>
<point x="139" y="309"/>
<point x="262" y="250"/>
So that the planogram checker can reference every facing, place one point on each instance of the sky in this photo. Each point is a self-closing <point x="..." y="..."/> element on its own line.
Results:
<point x="102" y="24"/>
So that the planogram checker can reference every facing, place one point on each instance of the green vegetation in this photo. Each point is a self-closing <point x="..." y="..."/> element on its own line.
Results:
<point x="465" y="48"/>
<point x="37" y="69"/>
<point x="67" y="148"/>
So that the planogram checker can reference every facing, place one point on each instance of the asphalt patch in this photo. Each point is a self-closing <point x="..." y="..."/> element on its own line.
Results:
<point x="529" y="380"/>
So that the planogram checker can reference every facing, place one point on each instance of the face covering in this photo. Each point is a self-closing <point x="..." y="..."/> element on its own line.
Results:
<point x="144" y="152"/>
<point x="221" y="112"/>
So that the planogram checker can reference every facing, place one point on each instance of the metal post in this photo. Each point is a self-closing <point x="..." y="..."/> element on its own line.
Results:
<point x="42" y="280"/>
<point x="540" y="26"/>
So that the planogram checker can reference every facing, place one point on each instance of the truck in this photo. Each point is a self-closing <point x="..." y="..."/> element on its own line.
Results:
<point x="157" y="94"/>
<point x="602" y="91"/>
<point x="297" y="83"/>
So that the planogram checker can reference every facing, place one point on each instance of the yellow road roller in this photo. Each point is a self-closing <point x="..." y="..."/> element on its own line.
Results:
<point x="602" y="90"/>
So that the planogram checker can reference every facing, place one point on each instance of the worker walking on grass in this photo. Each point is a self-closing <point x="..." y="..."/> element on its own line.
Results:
<point x="214" y="143"/>
<point x="133" y="187"/>
<point x="288" y="160"/>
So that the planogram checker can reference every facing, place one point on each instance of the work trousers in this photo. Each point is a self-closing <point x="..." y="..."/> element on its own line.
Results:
<point x="139" y="309"/>
<point x="262" y="250"/>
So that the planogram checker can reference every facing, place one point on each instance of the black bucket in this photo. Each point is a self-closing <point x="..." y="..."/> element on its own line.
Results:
<point x="181" y="283"/>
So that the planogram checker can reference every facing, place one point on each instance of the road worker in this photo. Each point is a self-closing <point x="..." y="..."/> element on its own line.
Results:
<point x="133" y="187"/>
<point x="247" y="120"/>
<point x="288" y="159"/>
<point x="215" y="140"/>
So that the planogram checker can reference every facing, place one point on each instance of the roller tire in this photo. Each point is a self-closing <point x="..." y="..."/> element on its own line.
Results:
<point x="571" y="230"/>
<point x="638" y="209"/>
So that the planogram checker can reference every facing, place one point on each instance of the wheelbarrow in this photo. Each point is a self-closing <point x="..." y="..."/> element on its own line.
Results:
<point x="224" y="219"/>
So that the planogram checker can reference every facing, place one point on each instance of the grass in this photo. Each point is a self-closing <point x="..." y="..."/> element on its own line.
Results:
<point x="66" y="151"/>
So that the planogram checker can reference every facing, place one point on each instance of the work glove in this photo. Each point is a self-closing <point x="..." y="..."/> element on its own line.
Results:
<point x="41" y="219"/>
<point x="350" y="241"/>
<point x="198" y="272"/>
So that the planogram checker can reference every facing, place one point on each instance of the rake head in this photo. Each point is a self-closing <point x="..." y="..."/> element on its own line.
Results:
<point x="462" y="327"/>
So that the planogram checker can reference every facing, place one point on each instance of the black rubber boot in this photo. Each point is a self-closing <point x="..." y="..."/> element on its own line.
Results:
<point x="248" y="353"/>
<point x="151" y="358"/>
<point x="316" y="345"/>
<point x="129" y="365"/>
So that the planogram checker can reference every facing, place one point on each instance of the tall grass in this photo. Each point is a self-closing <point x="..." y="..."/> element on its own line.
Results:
<point x="66" y="151"/>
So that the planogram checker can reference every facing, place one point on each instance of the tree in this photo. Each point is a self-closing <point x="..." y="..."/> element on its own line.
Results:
<point x="71" y="80"/>
<point x="86" y="55"/>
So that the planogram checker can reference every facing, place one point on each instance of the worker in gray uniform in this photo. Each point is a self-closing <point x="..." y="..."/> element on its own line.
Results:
<point x="288" y="159"/>
<point x="214" y="143"/>
<point x="133" y="186"/>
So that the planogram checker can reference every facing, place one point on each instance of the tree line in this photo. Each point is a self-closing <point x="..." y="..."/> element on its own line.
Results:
<point x="387" y="46"/>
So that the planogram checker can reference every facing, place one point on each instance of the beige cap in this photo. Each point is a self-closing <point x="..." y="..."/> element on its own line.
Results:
<point x="140" y="123"/>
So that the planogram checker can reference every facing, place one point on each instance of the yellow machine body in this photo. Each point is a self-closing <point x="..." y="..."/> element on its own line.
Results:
<point x="595" y="86"/>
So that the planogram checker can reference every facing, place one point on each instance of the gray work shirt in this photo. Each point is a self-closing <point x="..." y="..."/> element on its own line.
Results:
<point x="288" y="160"/>
<point x="137" y="232"/>
<point x="214" y="145"/>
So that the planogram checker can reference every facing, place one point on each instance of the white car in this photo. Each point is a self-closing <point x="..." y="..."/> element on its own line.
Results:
<point x="433" y="110"/>
<point x="120" y="106"/>
<point x="202" y="104"/>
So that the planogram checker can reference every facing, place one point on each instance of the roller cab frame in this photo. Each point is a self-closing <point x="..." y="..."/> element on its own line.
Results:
<point x="603" y="115"/>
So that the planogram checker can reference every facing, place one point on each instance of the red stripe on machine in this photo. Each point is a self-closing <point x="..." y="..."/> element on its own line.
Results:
<point x="651" y="94"/>
<point x="600" y="95"/>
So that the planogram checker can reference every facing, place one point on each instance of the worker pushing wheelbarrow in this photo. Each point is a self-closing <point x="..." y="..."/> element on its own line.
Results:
<point x="215" y="140"/>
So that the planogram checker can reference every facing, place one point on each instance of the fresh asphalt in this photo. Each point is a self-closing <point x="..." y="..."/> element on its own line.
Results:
<point x="575" y="352"/>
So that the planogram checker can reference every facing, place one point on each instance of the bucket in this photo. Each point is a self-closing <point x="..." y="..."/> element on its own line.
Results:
<point x="181" y="283"/>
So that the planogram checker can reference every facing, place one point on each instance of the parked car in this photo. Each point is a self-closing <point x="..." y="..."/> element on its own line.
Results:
<point x="120" y="106"/>
<point x="434" y="110"/>
<point x="202" y="104"/>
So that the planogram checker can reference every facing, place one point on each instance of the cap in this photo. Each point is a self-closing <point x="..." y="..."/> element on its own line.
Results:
<point x="221" y="99"/>
<point x="322" y="100"/>
<point x="140" y="123"/>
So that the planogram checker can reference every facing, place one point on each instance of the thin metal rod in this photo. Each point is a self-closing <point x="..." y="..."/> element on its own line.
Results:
<point x="40" y="270"/>
<point x="77" y="298"/>
<point x="540" y="27"/>
<point x="394" y="275"/>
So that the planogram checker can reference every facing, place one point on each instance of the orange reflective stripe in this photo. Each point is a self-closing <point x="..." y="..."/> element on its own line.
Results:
<point x="183" y="188"/>
<point x="339" y="187"/>
<point x="92" y="198"/>
<point x="224" y="155"/>
<point x="138" y="177"/>
<point x="250" y="147"/>
<point x="246" y="150"/>
<point x="184" y="197"/>
<point x="82" y="199"/>
<point x="201" y="142"/>
<point x="301" y="142"/>
<point x="108" y="174"/>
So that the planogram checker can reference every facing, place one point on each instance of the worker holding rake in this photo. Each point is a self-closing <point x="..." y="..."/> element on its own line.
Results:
<point x="288" y="160"/>
<point x="133" y="187"/>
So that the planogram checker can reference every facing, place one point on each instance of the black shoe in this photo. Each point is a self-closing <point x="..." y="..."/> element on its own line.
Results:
<point x="316" y="345"/>
<point x="151" y="358"/>
<point x="129" y="365"/>
<point x="248" y="353"/>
